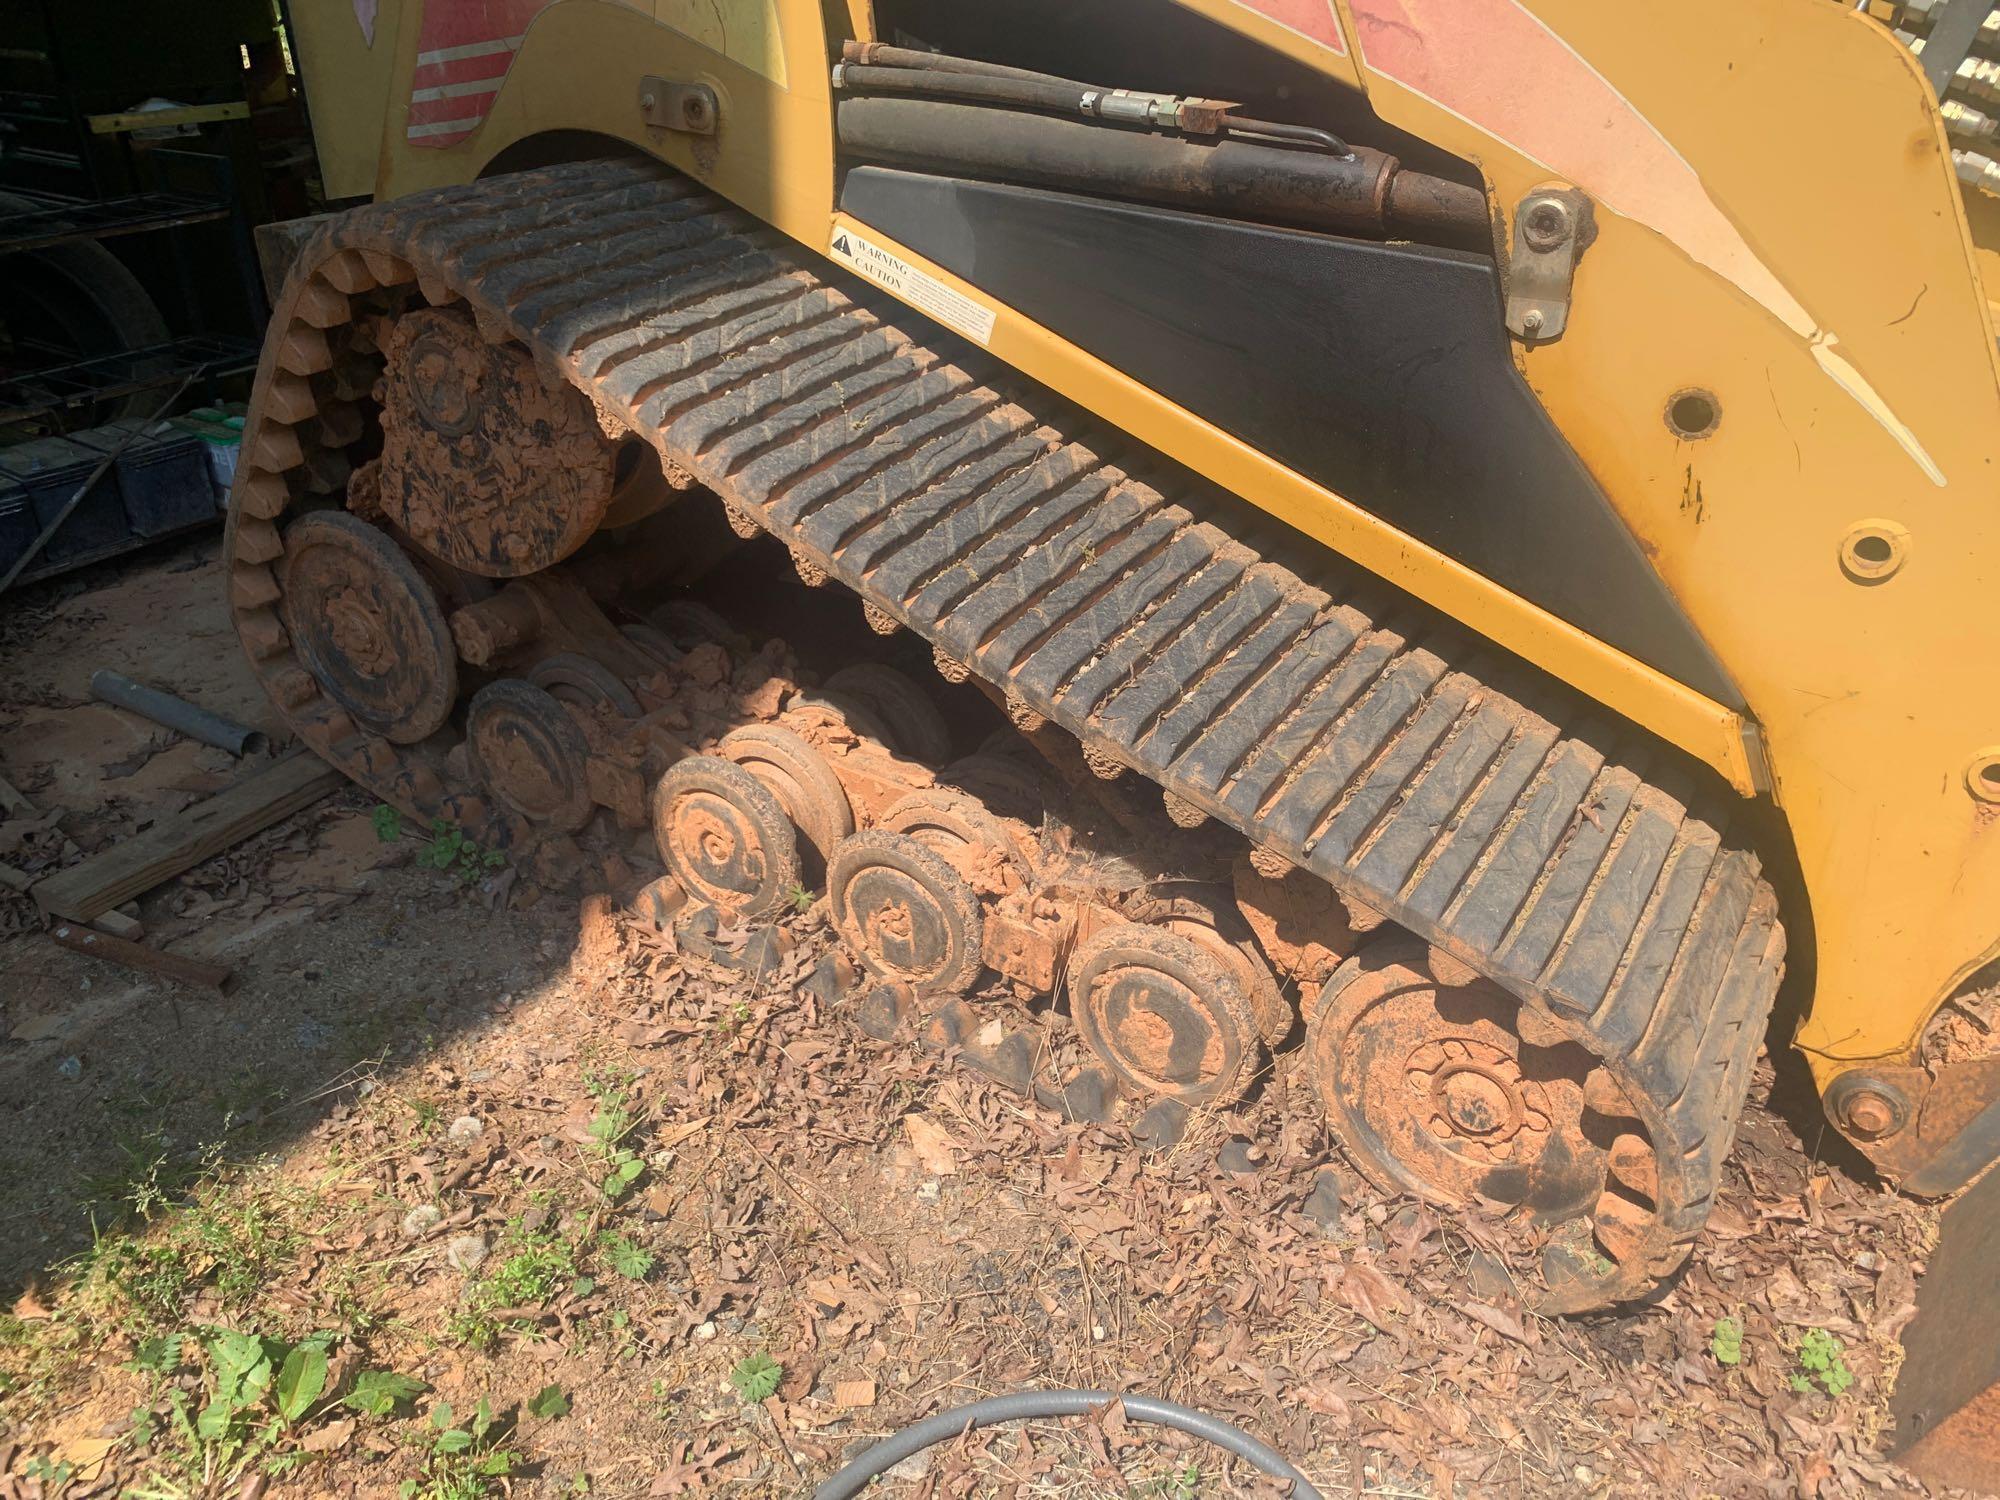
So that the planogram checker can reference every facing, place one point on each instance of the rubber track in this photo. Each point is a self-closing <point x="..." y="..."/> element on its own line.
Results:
<point x="1484" y="816"/>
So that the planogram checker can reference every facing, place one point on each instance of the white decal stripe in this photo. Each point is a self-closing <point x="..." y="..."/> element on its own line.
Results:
<point x="457" y="90"/>
<point x="445" y="127"/>
<point x="470" y="49"/>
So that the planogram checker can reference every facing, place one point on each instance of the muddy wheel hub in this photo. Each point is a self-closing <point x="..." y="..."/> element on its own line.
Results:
<point x="367" y="626"/>
<point x="484" y="463"/>
<point x="1165" y="1015"/>
<point x="1434" y="1092"/>
<point x="907" y="914"/>
<point x="1477" y="1094"/>
<point x="529" y="753"/>
<point x="725" y="837"/>
<point x="445" y="375"/>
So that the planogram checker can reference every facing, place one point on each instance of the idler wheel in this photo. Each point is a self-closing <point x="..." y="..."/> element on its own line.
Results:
<point x="915" y="726"/>
<point x="799" y="776"/>
<point x="689" y="623"/>
<point x="1004" y="784"/>
<point x="1435" y="1093"/>
<point x="725" y="836"/>
<point x="368" y="626"/>
<point x="484" y="463"/>
<point x="655" y="642"/>
<point x="1208" y="915"/>
<point x="529" y="754"/>
<point x="906" y="913"/>
<point x="840" y="711"/>
<point x="1164" y="1014"/>
<point x="956" y="825"/>
<point x="585" y="682"/>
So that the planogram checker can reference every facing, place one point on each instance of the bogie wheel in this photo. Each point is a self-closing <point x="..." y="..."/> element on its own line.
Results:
<point x="368" y="626"/>
<point x="689" y="623"/>
<point x="1435" y="1092"/>
<point x="725" y="837"/>
<point x="840" y="712"/>
<point x="1164" y="1014"/>
<point x="529" y="754"/>
<point x="915" y="726"/>
<point x="907" y="914"/>
<point x="956" y="825"/>
<point x="1004" y="784"/>
<point x="1208" y="916"/>
<point x="584" y="682"/>
<point x="799" y="777"/>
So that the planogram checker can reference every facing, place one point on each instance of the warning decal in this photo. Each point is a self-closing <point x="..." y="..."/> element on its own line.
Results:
<point x="920" y="289"/>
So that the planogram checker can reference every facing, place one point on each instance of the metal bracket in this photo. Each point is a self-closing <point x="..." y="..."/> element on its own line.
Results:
<point x="687" y="107"/>
<point x="1551" y="230"/>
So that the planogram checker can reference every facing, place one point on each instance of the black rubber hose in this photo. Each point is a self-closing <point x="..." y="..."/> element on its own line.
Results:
<point x="1057" y="98"/>
<point x="1026" y="1406"/>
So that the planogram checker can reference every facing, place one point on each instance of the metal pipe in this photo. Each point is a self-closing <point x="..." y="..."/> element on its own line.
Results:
<point x="176" y="713"/>
<point x="882" y="55"/>
<point x="1366" y="193"/>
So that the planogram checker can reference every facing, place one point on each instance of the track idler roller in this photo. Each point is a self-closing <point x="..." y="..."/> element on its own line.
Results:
<point x="1436" y="1091"/>
<point x="905" y="912"/>
<point x="529" y="754"/>
<point x="958" y="826"/>
<point x="1166" y="1015"/>
<point x="799" y="777"/>
<point x="367" y="626"/>
<point x="484" y="462"/>
<point x="912" y="723"/>
<point x="725" y="837"/>
<point x="584" y="682"/>
<point x="1208" y="917"/>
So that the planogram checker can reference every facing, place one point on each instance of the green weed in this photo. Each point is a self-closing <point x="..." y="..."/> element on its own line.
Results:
<point x="538" y="1264"/>
<point x="450" y="850"/>
<point x="1822" y="1364"/>
<point x="1726" y="1341"/>
<point x="756" y="1377"/>
<point x="633" y="1262"/>
<point x="615" y="1119"/>
<point x="464" y="1461"/>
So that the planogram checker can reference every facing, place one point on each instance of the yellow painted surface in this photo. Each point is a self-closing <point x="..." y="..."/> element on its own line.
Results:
<point x="348" y="85"/>
<point x="1870" y="699"/>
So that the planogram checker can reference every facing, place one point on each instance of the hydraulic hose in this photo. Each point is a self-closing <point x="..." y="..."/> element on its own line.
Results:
<point x="1025" y="1406"/>
<point x="938" y="83"/>
<point x="1365" y="192"/>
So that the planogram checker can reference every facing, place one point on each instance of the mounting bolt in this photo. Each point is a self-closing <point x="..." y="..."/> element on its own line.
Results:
<point x="1866" y="1107"/>
<point x="1547" y="222"/>
<point x="1531" y="321"/>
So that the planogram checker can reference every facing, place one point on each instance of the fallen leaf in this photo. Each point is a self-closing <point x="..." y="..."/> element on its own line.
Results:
<point x="853" y="1393"/>
<point x="329" y="1437"/>
<point x="933" y="1145"/>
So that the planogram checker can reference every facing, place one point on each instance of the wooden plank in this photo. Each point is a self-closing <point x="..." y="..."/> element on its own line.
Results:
<point x="173" y="966"/>
<point x="114" y="922"/>
<point x="84" y="892"/>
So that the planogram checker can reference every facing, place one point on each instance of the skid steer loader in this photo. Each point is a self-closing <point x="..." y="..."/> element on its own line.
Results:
<point x="1502" y="523"/>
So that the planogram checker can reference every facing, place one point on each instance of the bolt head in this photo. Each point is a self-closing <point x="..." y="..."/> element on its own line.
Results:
<point x="1532" y="321"/>
<point x="648" y="101"/>
<point x="1547" y="222"/>
<point x="1869" y="1113"/>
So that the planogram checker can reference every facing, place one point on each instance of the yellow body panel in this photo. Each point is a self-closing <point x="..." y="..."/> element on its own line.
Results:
<point x="1868" y="699"/>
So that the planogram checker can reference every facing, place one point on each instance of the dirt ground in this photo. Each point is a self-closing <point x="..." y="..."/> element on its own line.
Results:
<point x="650" y="1226"/>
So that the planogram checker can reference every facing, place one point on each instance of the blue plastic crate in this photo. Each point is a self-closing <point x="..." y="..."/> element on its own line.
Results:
<point x="17" y="523"/>
<point x="50" y="469"/>
<point x="162" y="474"/>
